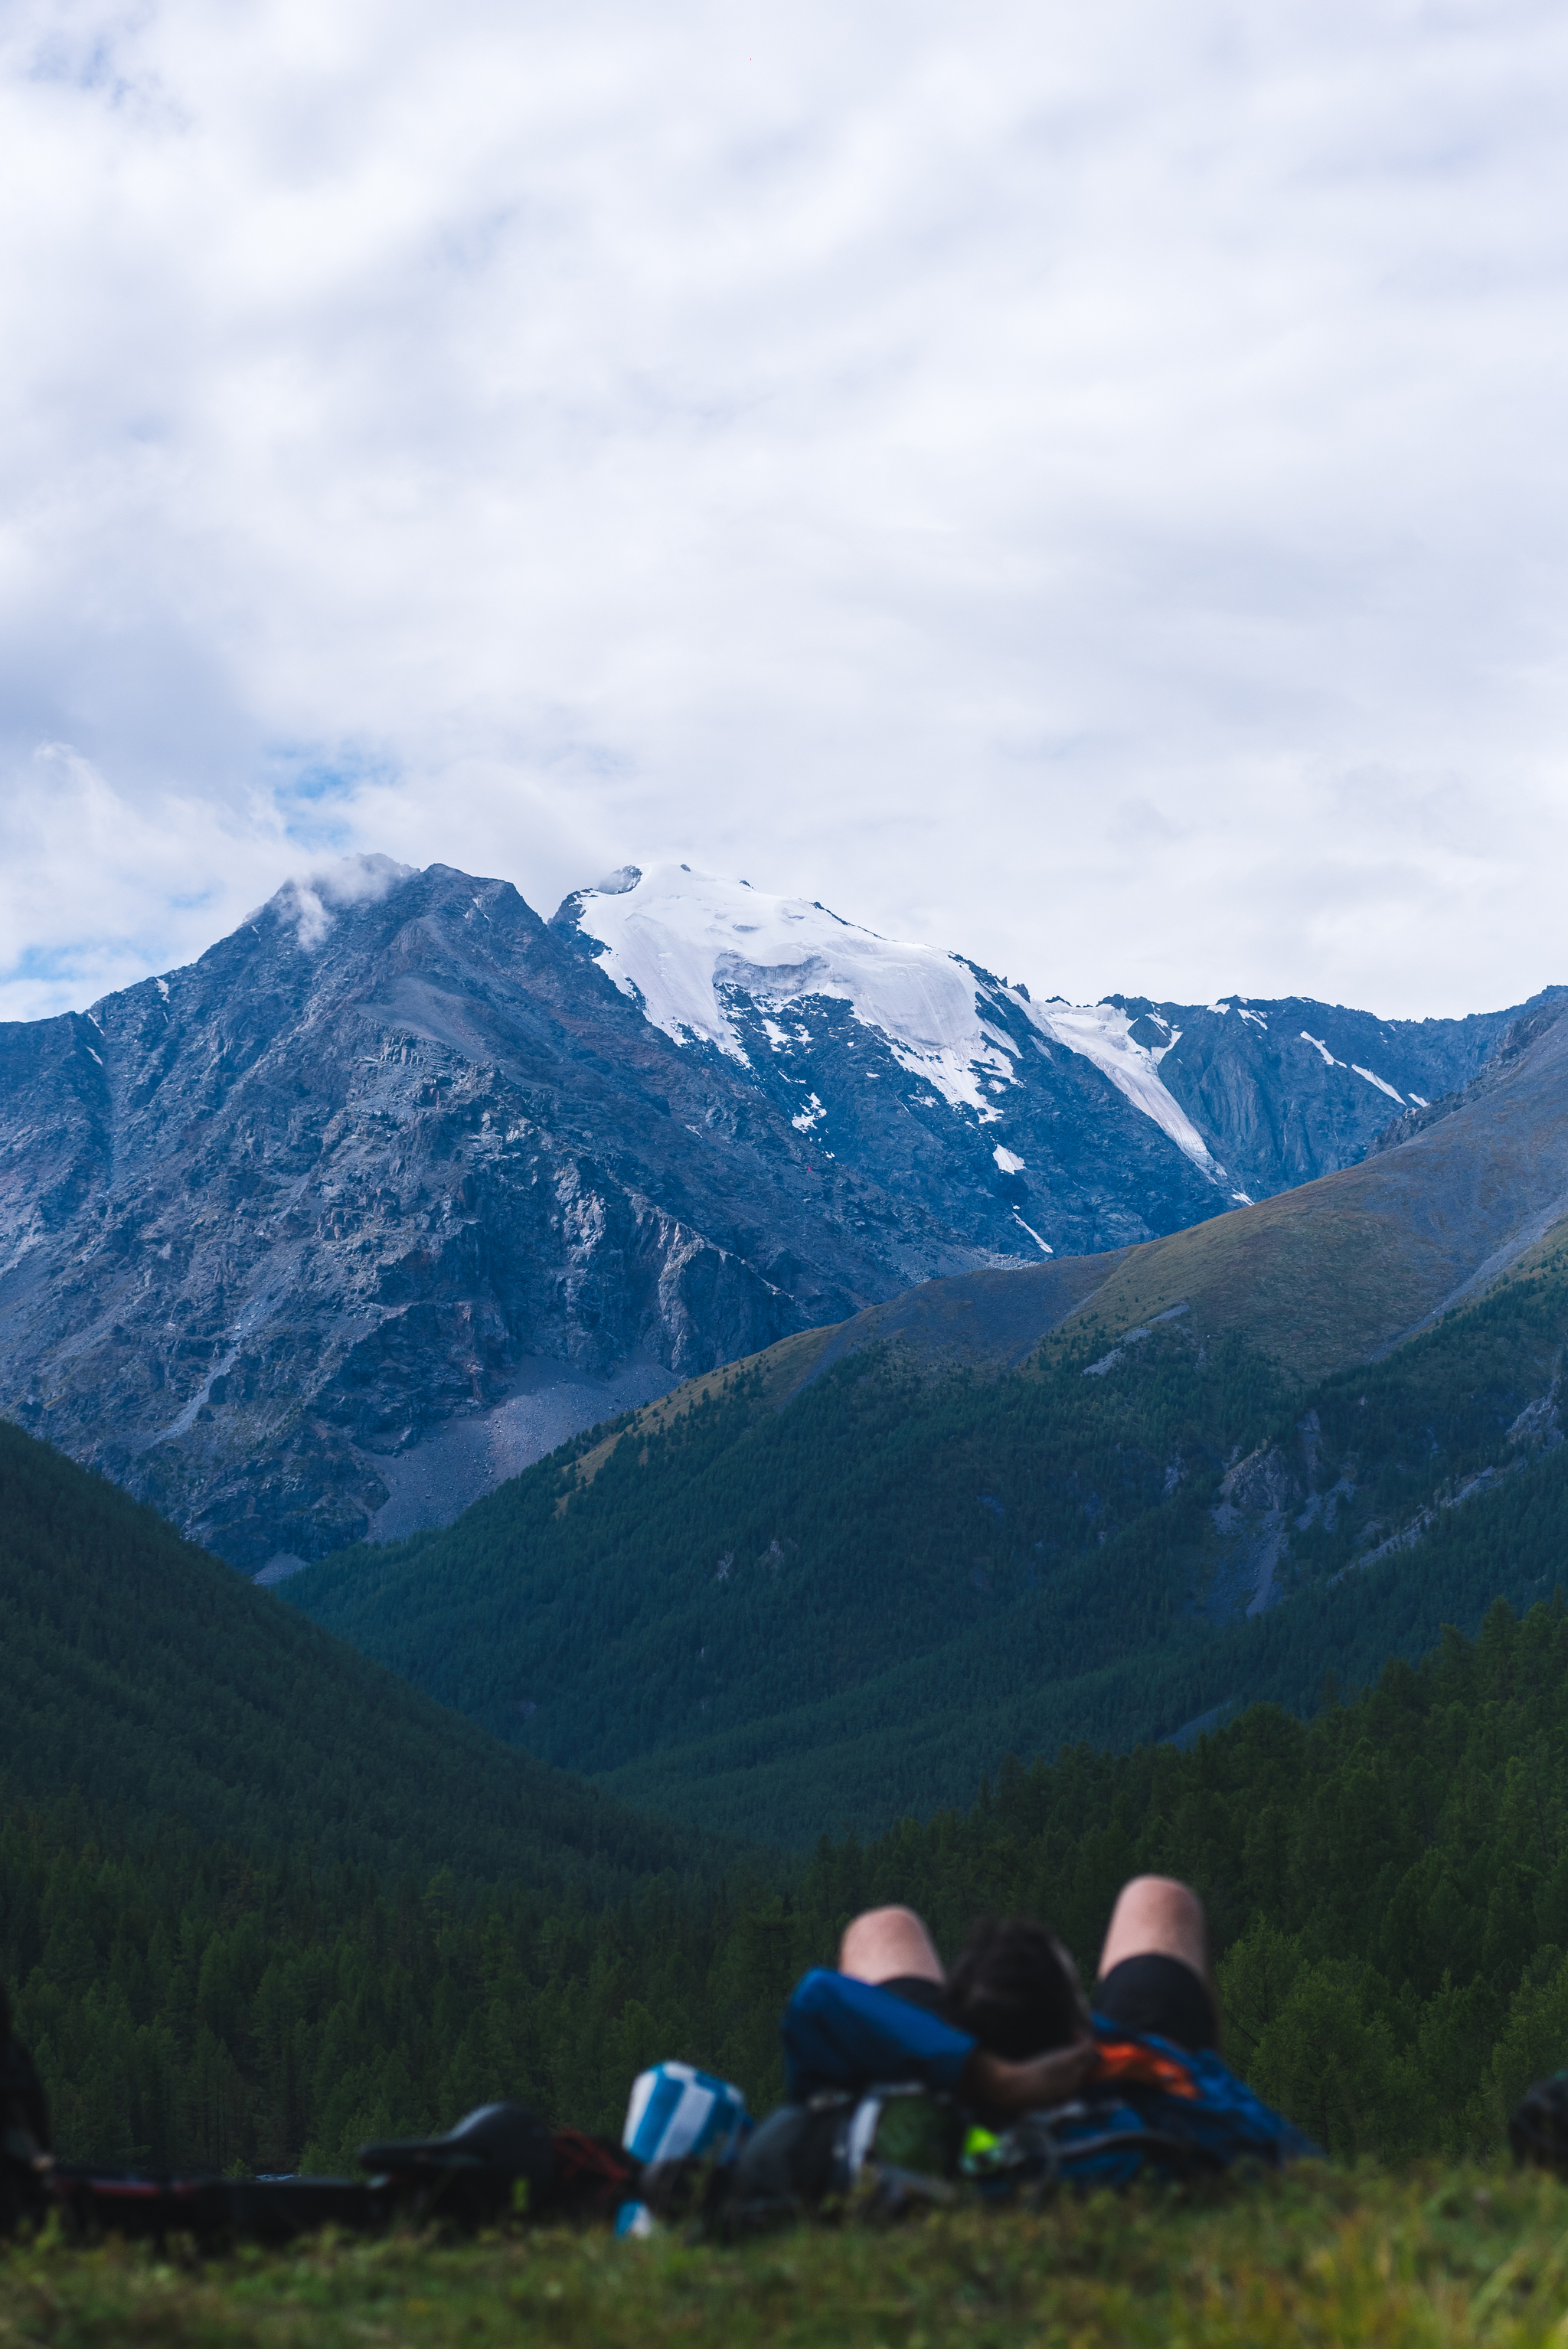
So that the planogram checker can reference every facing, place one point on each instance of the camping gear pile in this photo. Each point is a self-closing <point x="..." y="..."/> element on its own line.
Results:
<point x="691" y="2155"/>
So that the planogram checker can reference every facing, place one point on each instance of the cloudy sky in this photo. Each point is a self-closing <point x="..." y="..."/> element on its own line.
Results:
<point x="1082" y="485"/>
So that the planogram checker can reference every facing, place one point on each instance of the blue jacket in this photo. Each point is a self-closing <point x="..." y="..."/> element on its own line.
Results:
<point x="843" y="2033"/>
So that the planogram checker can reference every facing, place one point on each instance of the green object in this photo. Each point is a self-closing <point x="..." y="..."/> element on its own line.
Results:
<point x="982" y="2149"/>
<point x="916" y="2133"/>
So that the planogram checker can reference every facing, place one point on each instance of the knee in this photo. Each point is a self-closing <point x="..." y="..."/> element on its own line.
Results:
<point x="1158" y="1913"/>
<point x="882" y="1943"/>
<point x="1160" y="1896"/>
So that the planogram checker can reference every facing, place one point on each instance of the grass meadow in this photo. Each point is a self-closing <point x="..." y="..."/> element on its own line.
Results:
<point x="1345" y="2259"/>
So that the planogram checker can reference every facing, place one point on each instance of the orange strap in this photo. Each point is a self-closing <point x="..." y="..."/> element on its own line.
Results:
<point x="1131" y="2060"/>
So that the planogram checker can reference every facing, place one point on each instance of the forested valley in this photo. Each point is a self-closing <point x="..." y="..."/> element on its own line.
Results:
<point x="768" y="1611"/>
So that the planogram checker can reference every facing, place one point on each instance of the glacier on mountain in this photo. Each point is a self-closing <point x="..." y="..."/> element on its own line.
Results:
<point x="679" y="942"/>
<point x="683" y="943"/>
<point x="1101" y="1032"/>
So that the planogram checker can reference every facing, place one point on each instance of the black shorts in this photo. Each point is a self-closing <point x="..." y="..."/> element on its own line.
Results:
<point x="1157" y="1993"/>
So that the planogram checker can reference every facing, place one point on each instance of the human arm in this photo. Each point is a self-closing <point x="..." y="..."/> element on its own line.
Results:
<point x="993" y="2085"/>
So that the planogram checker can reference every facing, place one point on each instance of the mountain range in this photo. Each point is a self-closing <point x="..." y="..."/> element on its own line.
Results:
<point x="400" y="1185"/>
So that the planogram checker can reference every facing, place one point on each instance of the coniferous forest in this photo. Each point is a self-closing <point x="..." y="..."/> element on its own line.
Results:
<point x="1389" y="1888"/>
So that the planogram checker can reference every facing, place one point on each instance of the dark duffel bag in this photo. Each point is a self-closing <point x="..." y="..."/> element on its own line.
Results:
<point x="1538" y="2125"/>
<point x="94" y="2203"/>
<point x="500" y="2159"/>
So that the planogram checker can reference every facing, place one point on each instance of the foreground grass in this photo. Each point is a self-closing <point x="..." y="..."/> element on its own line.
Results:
<point x="1436" y="2256"/>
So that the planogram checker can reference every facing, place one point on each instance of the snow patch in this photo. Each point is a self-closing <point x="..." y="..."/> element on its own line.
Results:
<point x="686" y="944"/>
<point x="162" y="987"/>
<point x="1100" y="1031"/>
<point x="1006" y="1160"/>
<point x="1382" y="1085"/>
<point x="1044" y="1246"/>
<point x="673" y="939"/>
<point x="1421" y="1101"/>
<point x="1329" y="1060"/>
<point x="1241" y="1199"/>
<point x="1255" y="1017"/>
<point x="805" y="1119"/>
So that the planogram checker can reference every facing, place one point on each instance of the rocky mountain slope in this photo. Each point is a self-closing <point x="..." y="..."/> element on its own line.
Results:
<point x="400" y="1186"/>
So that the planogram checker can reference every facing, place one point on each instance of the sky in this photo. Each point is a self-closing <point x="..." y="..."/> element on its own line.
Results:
<point x="1082" y="486"/>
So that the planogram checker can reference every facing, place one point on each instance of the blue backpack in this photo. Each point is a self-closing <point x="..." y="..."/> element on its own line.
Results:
<point x="1152" y="2107"/>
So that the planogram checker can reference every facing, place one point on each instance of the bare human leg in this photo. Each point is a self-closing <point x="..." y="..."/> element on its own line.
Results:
<point x="883" y="1944"/>
<point x="1156" y="1916"/>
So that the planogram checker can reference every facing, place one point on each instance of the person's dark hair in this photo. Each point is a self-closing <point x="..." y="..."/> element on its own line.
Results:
<point x="1015" y="1989"/>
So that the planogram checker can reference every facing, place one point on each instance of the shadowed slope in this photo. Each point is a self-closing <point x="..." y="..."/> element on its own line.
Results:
<point x="144" y="1674"/>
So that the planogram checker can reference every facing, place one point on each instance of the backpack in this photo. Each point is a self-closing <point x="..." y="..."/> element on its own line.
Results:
<point x="1154" y="2109"/>
<point x="892" y="2146"/>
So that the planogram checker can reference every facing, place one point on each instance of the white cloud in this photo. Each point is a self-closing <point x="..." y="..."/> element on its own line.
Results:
<point x="1081" y="486"/>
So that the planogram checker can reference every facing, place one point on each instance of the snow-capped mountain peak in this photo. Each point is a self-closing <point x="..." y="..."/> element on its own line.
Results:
<point x="688" y="945"/>
<point x="393" y="1186"/>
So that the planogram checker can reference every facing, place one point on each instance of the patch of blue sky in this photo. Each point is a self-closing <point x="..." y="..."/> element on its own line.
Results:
<point x="307" y="770"/>
<point x="63" y="963"/>
<point x="314" y="789"/>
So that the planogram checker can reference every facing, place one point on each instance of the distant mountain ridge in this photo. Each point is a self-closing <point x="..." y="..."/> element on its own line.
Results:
<point x="398" y="1185"/>
<point x="1256" y="1096"/>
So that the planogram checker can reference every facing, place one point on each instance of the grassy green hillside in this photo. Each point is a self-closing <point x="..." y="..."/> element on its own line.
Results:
<point x="773" y="1619"/>
<point x="143" y="1674"/>
<point x="1439" y="2259"/>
